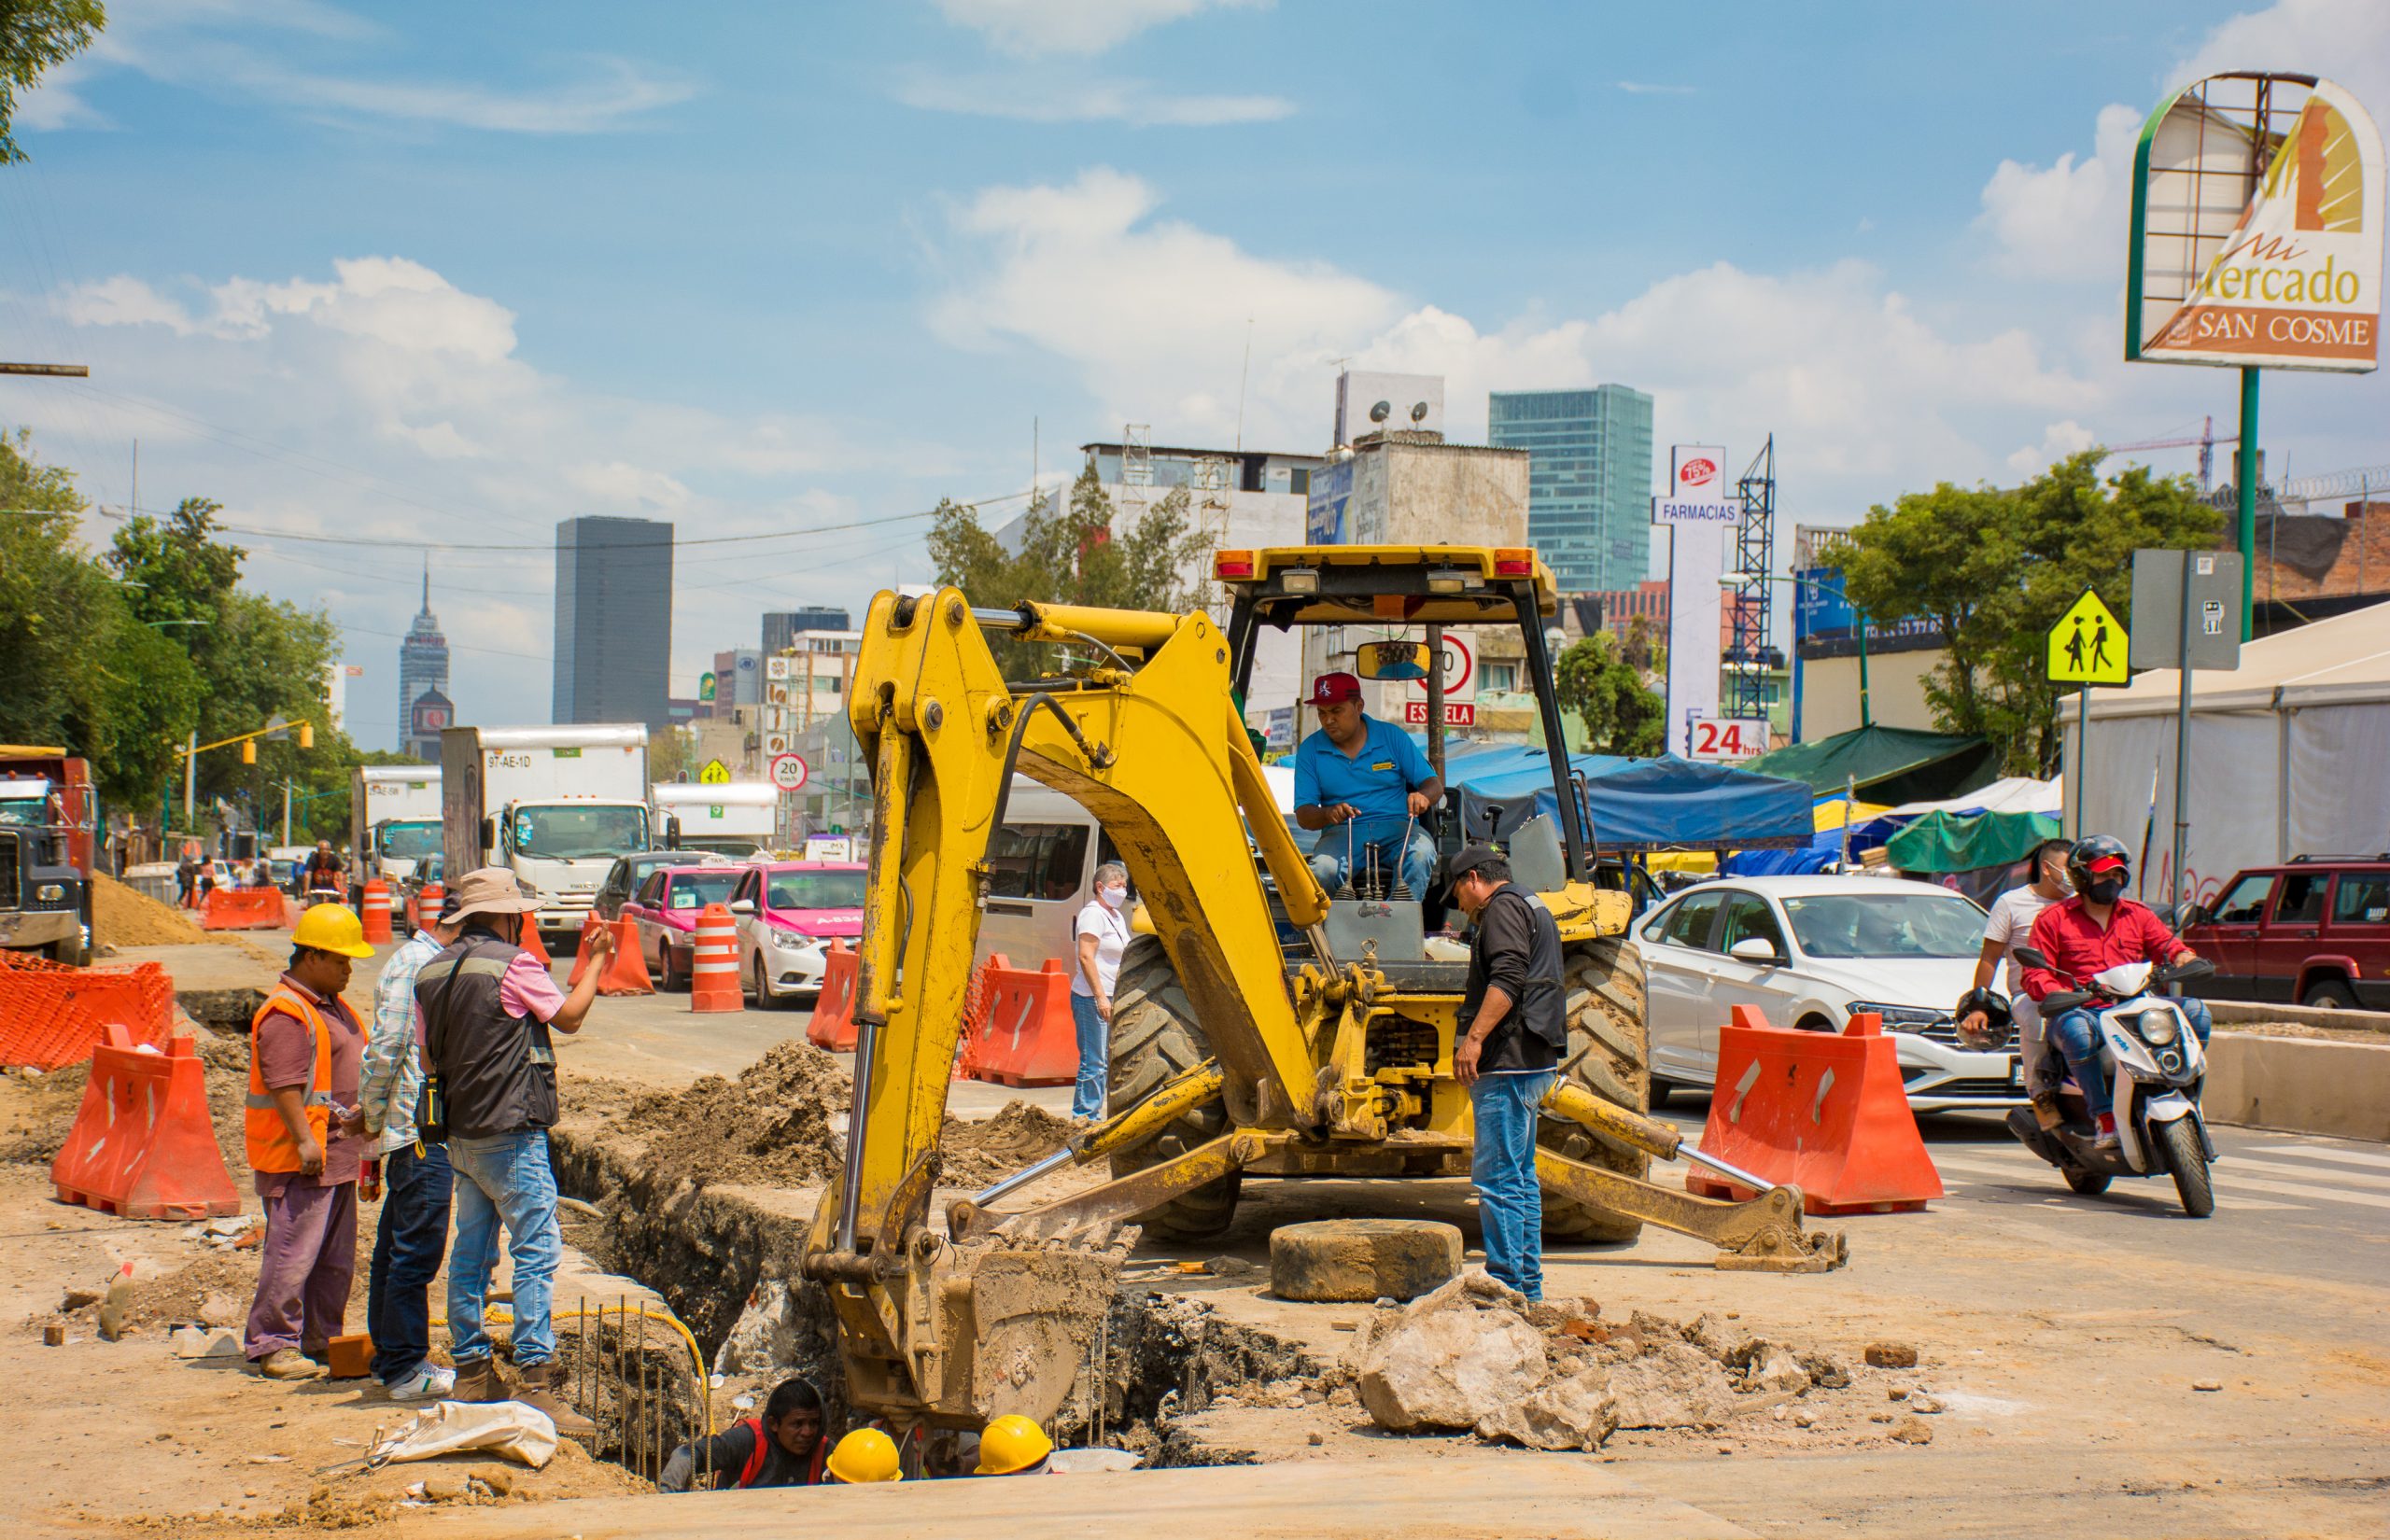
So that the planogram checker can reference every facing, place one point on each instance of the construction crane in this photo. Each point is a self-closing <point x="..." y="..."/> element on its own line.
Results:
<point x="2206" y="440"/>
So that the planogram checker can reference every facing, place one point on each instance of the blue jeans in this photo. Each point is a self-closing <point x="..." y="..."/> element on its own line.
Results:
<point x="2078" y="1036"/>
<point x="407" y="1248"/>
<point x="1417" y="859"/>
<point x="504" y="1178"/>
<point x="1510" y="1199"/>
<point x="1095" y="1052"/>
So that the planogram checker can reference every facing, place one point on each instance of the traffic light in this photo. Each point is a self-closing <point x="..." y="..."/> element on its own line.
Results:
<point x="307" y="734"/>
<point x="248" y="751"/>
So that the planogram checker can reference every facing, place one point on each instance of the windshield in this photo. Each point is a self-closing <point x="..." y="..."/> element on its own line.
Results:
<point x="27" y="813"/>
<point x="567" y="832"/>
<point x="411" y="841"/>
<point x="1928" y="923"/>
<point x="696" y="889"/>
<point x="817" y="890"/>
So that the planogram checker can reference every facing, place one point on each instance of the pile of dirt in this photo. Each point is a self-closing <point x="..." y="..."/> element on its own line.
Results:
<point x="773" y="1127"/>
<point x="122" y="916"/>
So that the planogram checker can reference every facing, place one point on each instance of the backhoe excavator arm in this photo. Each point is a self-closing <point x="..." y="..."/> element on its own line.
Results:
<point x="1159" y="755"/>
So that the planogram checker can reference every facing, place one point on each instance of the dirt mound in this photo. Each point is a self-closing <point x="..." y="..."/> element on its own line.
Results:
<point x="122" y="916"/>
<point x="978" y="1154"/>
<point x="773" y="1127"/>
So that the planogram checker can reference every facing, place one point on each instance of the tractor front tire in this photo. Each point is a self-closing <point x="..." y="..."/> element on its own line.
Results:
<point x="1154" y="1039"/>
<point x="1608" y="1054"/>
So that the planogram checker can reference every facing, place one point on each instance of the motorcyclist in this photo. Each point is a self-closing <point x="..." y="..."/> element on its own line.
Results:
<point x="322" y="872"/>
<point x="2097" y="928"/>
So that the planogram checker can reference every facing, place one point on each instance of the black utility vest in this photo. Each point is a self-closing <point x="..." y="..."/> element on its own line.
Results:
<point x="497" y="1073"/>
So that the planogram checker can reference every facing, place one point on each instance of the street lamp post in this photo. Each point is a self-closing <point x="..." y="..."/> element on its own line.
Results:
<point x="1741" y="580"/>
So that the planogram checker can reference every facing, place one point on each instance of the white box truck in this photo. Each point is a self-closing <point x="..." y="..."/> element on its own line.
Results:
<point x="394" y="816"/>
<point x="556" y="804"/>
<point x="736" y="817"/>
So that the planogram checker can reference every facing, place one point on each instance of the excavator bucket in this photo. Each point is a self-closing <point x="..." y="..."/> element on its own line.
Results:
<point x="1036" y="1318"/>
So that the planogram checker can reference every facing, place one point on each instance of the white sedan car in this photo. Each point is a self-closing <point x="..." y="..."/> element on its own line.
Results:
<point x="1809" y="951"/>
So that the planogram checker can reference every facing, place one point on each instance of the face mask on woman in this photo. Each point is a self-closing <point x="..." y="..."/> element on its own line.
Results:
<point x="1113" y="897"/>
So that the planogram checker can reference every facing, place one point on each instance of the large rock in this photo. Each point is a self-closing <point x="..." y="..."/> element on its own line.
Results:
<point x="1450" y="1359"/>
<point x="1672" y="1385"/>
<point x="1357" y="1259"/>
<point x="1573" y="1413"/>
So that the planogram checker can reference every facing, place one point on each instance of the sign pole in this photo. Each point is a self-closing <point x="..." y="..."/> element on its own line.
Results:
<point x="2183" y="713"/>
<point x="2248" y="507"/>
<point x="2082" y="751"/>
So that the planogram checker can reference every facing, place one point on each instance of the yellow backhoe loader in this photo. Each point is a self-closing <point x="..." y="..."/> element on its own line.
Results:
<point x="1264" y="1028"/>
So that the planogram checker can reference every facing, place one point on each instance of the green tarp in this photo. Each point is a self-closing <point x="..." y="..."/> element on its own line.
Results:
<point x="1887" y="764"/>
<point x="1968" y="842"/>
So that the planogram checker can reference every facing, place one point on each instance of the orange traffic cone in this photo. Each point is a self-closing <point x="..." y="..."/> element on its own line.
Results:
<point x="713" y="974"/>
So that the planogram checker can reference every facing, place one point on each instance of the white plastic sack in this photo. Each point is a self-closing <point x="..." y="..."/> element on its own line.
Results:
<point x="507" y="1428"/>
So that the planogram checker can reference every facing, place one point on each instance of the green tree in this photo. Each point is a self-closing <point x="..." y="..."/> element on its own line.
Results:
<point x="1074" y="552"/>
<point x="1622" y="714"/>
<point x="1992" y="569"/>
<point x="33" y="36"/>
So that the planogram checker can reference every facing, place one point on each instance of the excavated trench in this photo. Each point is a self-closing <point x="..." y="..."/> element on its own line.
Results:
<point x="727" y="1262"/>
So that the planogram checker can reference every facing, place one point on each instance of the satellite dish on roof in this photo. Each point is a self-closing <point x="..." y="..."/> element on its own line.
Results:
<point x="1418" y="412"/>
<point x="1381" y="412"/>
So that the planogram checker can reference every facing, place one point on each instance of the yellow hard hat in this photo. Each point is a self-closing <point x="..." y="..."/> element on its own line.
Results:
<point x="865" y="1455"/>
<point x="1011" y="1444"/>
<point x="332" y="927"/>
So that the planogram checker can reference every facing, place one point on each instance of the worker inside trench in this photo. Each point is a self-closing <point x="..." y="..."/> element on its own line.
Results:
<point x="695" y="1412"/>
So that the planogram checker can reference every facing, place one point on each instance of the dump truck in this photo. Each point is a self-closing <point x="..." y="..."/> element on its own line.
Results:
<point x="556" y="805"/>
<point x="1265" y="1027"/>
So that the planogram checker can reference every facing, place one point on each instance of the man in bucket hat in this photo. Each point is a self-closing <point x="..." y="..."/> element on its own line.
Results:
<point x="487" y="1008"/>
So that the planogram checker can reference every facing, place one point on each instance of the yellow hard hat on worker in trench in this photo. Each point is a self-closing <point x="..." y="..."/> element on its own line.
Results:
<point x="1011" y="1444"/>
<point x="332" y="927"/>
<point x="864" y="1455"/>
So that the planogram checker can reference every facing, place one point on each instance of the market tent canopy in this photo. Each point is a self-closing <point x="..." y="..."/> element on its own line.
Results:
<point x="1667" y="803"/>
<point x="2015" y="795"/>
<point x="1968" y="842"/>
<point x="1892" y="764"/>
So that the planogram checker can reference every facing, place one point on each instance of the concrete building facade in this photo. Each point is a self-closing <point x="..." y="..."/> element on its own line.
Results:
<point x="782" y="625"/>
<point x="1589" y="511"/>
<point x="614" y="625"/>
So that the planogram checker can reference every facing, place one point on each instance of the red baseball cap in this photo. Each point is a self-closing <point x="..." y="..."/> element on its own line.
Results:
<point x="2106" y="863"/>
<point x="1328" y="688"/>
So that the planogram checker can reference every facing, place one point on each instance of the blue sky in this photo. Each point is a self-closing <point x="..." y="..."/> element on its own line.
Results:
<point x="449" y="273"/>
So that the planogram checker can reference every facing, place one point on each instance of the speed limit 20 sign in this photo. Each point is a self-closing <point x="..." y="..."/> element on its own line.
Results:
<point x="788" y="771"/>
<point x="1719" y="738"/>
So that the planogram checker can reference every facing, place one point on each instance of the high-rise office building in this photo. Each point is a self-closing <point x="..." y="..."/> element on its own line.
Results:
<point x="782" y="626"/>
<point x="614" y="640"/>
<point x="1589" y="480"/>
<point x="423" y="670"/>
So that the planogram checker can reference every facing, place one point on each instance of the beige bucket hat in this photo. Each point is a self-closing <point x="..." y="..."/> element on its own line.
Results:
<point x="492" y="890"/>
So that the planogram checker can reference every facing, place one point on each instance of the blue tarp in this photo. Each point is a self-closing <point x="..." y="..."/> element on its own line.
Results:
<point x="1646" y="805"/>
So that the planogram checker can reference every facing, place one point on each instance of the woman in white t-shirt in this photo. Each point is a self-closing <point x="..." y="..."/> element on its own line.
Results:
<point x="1101" y="930"/>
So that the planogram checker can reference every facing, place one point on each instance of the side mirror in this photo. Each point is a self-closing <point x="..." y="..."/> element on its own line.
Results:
<point x="1757" y="949"/>
<point x="1391" y="660"/>
<point x="489" y="834"/>
<point x="671" y="833"/>
<point x="2196" y="914"/>
<point x="2031" y="957"/>
<point x="742" y="906"/>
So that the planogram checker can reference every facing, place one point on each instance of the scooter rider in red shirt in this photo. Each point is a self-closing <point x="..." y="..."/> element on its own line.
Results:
<point x="2097" y="928"/>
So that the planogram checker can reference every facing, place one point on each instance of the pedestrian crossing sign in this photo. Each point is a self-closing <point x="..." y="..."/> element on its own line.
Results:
<point x="2088" y="645"/>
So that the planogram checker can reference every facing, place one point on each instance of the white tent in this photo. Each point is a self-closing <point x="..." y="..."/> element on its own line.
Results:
<point x="2015" y="794"/>
<point x="2290" y="755"/>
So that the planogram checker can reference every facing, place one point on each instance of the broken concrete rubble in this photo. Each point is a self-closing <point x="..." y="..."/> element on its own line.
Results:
<point x="1450" y="1357"/>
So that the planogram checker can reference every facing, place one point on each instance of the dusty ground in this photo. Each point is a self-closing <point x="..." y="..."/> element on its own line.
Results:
<point x="2068" y="1341"/>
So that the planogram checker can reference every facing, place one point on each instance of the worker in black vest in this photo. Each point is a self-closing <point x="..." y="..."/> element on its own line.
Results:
<point x="485" y="1009"/>
<point x="1514" y="1021"/>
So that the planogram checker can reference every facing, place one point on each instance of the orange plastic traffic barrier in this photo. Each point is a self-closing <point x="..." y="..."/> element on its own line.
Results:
<point x="245" y="909"/>
<point x="977" y="1002"/>
<point x="713" y="967"/>
<point x="375" y="911"/>
<point x="1820" y="1111"/>
<point x="832" y="1026"/>
<point x="142" y="1146"/>
<point x="1029" y="1038"/>
<point x="533" y="945"/>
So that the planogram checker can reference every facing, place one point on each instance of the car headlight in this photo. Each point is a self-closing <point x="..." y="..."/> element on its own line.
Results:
<point x="49" y="893"/>
<point x="2158" y="1028"/>
<point x="1900" y="1018"/>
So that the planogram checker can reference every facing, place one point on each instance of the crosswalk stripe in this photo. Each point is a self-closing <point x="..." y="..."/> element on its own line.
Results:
<point x="2025" y="1172"/>
<point x="2315" y="1152"/>
<point x="2290" y="1189"/>
<point x="2361" y="1180"/>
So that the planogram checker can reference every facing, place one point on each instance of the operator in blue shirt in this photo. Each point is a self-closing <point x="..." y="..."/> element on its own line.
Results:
<point x="1359" y="768"/>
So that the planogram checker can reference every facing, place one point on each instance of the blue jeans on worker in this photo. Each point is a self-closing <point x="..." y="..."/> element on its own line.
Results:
<point x="1416" y="859"/>
<point x="407" y="1248"/>
<point x="1095" y="1054"/>
<point x="1510" y="1199"/>
<point x="504" y="1179"/>
<point x="2078" y="1036"/>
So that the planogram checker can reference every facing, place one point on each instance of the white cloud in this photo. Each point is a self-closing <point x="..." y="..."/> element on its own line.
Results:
<point x="2344" y="41"/>
<point x="1084" y="27"/>
<point x="2067" y="219"/>
<point x="1065" y="98"/>
<point x="2058" y="440"/>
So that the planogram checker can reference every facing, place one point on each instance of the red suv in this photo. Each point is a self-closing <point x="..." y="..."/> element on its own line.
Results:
<point x="2314" y="933"/>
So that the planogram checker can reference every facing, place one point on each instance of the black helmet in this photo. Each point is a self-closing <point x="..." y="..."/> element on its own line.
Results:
<point x="2096" y="851"/>
<point x="1991" y="1001"/>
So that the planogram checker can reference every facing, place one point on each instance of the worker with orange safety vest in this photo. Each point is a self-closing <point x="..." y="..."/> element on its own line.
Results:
<point x="305" y="1146"/>
<point x="784" y="1447"/>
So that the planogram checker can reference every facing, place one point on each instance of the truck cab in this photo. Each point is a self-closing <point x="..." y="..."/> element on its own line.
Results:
<point x="564" y="851"/>
<point x="45" y="902"/>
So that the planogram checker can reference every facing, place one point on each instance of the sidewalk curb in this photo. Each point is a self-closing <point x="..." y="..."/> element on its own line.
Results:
<point x="2233" y="1012"/>
<point x="2307" y="1085"/>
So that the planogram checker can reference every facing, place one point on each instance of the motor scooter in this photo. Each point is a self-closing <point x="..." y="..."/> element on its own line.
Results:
<point x="2157" y="1067"/>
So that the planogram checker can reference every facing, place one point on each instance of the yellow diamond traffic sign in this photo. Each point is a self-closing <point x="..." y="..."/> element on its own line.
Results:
<point x="714" y="773"/>
<point x="2088" y="645"/>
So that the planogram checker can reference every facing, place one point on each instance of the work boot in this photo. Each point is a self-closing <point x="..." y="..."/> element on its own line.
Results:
<point x="543" y="1386"/>
<point x="287" y="1364"/>
<point x="2045" y="1110"/>
<point x="2107" y="1135"/>
<point x="478" y="1379"/>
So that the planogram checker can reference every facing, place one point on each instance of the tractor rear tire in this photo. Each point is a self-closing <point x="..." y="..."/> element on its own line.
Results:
<point x="1608" y="1054"/>
<point x="1155" y="1038"/>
